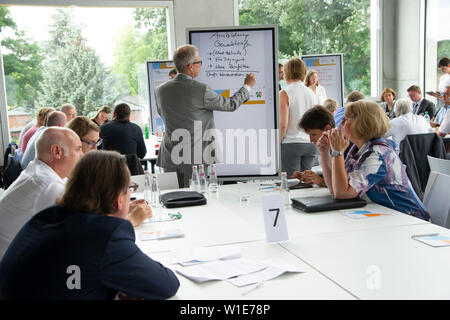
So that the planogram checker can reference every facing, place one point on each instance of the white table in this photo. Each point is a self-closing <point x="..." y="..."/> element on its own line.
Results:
<point x="308" y="285"/>
<point x="380" y="263"/>
<point x="340" y="253"/>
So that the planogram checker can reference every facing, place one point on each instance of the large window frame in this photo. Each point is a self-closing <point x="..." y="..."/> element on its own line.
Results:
<point x="168" y="4"/>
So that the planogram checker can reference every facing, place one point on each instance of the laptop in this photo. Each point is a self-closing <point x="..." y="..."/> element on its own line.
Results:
<point x="326" y="203"/>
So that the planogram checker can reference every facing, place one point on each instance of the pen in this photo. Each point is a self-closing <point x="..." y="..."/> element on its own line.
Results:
<point x="425" y="235"/>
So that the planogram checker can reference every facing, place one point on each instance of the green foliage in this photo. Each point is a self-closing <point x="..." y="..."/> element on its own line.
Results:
<point x="443" y="49"/>
<point x="319" y="27"/>
<point x="73" y="72"/>
<point x="22" y="61"/>
<point x="147" y="40"/>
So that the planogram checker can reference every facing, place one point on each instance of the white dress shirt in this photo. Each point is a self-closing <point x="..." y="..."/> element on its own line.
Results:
<point x="445" y="125"/>
<point x="37" y="188"/>
<point x="320" y="95"/>
<point x="407" y="124"/>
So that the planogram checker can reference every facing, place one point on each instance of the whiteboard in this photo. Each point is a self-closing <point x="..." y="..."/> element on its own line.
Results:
<point x="331" y="76"/>
<point x="250" y="142"/>
<point x="158" y="73"/>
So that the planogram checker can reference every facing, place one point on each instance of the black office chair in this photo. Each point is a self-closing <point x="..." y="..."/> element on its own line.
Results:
<point x="414" y="150"/>
<point x="134" y="164"/>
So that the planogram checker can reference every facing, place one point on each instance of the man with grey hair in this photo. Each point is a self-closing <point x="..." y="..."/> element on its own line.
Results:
<point x="406" y="122"/>
<point x="43" y="181"/>
<point x="54" y="119"/>
<point x="186" y="106"/>
<point x="69" y="110"/>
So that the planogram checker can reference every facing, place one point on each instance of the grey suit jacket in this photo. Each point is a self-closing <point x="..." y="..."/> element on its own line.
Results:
<point x="426" y="105"/>
<point x="186" y="107"/>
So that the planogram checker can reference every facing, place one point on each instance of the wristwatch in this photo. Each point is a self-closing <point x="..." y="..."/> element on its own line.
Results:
<point x="336" y="153"/>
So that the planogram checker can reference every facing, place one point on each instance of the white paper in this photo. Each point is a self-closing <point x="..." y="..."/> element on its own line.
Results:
<point x="274" y="218"/>
<point x="189" y="256"/>
<point x="275" y="268"/>
<point x="221" y="270"/>
<point x="160" y="234"/>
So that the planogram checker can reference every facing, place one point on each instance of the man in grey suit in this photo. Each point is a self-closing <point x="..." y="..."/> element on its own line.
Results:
<point x="187" y="106"/>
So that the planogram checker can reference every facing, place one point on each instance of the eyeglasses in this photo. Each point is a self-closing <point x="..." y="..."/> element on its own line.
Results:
<point x="92" y="144"/>
<point x="198" y="62"/>
<point x="133" y="187"/>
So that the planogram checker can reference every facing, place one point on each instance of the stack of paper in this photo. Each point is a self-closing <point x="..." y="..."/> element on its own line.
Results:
<point x="274" y="269"/>
<point x="189" y="256"/>
<point x="221" y="270"/>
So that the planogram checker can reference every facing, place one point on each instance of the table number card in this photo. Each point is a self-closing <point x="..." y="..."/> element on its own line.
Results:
<point x="274" y="218"/>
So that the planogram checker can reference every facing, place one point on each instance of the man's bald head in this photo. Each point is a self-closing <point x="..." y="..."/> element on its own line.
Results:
<point x="56" y="119"/>
<point x="60" y="149"/>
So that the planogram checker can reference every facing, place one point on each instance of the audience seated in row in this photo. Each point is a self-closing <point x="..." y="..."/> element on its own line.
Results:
<point x="84" y="248"/>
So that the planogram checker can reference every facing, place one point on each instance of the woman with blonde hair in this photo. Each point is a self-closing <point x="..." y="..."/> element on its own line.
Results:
<point x="312" y="82"/>
<point x="102" y="115"/>
<point x="372" y="166"/>
<point x="297" y="153"/>
<point x="388" y="97"/>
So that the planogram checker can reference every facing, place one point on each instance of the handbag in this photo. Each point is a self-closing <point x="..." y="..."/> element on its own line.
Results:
<point x="178" y="199"/>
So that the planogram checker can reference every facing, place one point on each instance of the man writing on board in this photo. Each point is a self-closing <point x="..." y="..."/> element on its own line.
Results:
<point x="187" y="106"/>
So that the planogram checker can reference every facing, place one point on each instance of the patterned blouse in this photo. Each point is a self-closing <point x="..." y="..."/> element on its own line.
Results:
<point x="376" y="170"/>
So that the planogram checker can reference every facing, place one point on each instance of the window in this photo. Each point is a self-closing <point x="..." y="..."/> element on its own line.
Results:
<point x="320" y="27"/>
<point x="437" y="43"/>
<point x="85" y="56"/>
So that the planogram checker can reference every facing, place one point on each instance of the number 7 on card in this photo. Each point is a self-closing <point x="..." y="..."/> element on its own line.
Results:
<point x="274" y="218"/>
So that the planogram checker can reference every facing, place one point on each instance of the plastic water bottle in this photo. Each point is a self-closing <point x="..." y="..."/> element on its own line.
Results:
<point x="284" y="189"/>
<point x="213" y="182"/>
<point x="427" y="117"/>
<point x="203" y="184"/>
<point x="195" y="182"/>
<point x="147" y="187"/>
<point x="155" y="192"/>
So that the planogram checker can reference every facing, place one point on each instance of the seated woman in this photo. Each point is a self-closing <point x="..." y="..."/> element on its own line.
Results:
<point x="88" y="132"/>
<point x="372" y="166"/>
<point x="83" y="248"/>
<point x="388" y="97"/>
<point x="102" y="115"/>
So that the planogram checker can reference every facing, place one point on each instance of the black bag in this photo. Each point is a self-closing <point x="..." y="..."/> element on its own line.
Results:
<point x="178" y="199"/>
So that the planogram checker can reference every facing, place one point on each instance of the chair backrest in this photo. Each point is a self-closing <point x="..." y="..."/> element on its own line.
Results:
<point x="134" y="164"/>
<point x="167" y="180"/>
<point x="436" y="198"/>
<point x="439" y="165"/>
<point x="413" y="150"/>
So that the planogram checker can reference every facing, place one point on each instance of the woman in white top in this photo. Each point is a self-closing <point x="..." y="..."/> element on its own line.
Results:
<point x="406" y="123"/>
<point x="297" y="153"/>
<point x="444" y="81"/>
<point x="312" y="82"/>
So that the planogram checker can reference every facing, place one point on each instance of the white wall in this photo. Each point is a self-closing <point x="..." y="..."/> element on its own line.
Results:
<point x="201" y="13"/>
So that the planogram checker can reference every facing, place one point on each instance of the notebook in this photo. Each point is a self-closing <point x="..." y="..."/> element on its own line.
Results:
<point x="326" y="203"/>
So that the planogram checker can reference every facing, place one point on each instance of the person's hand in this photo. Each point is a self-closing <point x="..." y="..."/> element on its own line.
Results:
<point x="136" y="203"/>
<point x="309" y="176"/>
<point x="297" y="175"/>
<point x="250" y="80"/>
<point x="139" y="213"/>
<point x="323" y="143"/>
<point x="123" y="296"/>
<point x="337" y="140"/>
<point x="433" y="122"/>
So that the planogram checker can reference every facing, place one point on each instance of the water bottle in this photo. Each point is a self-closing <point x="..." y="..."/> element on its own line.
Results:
<point x="146" y="131"/>
<point x="195" y="182"/>
<point x="213" y="182"/>
<point x="203" y="184"/>
<point x="284" y="189"/>
<point x="147" y="186"/>
<point x="155" y="192"/>
<point x="427" y="117"/>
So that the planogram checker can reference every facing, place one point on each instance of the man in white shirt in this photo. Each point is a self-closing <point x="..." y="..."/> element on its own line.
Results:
<point x="444" y="128"/>
<point x="54" y="119"/>
<point x="38" y="187"/>
<point x="406" y="122"/>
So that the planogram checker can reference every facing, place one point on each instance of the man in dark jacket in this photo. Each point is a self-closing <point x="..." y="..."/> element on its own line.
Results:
<point x="420" y="104"/>
<point x="122" y="135"/>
